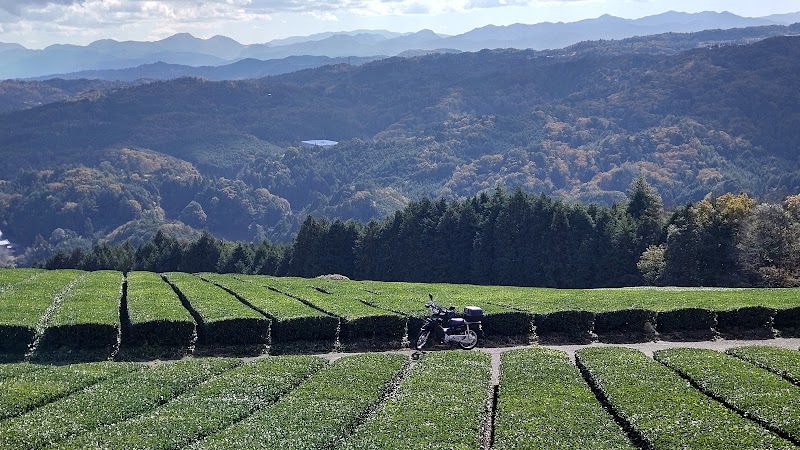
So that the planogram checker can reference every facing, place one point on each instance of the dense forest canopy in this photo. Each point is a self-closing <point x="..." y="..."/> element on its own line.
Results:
<point x="191" y="154"/>
<point x="507" y="238"/>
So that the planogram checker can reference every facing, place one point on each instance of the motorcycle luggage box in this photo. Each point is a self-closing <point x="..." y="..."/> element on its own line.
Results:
<point x="473" y="314"/>
<point x="456" y="322"/>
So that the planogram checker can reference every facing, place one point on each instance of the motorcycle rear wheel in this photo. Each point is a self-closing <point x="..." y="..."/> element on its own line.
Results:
<point x="474" y="337"/>
<point x="422" y="340"/>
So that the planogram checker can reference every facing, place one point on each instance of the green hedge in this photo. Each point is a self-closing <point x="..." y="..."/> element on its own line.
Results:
<point x="788" y="321"/>
<point x="692" y="320"/>
<point x="107" y="402"/>
<point x="89" y="314"/>
<point x="10" y="277"/>
<point x="662" y="409"/>
<point x="154" y="314"/>
<point x="30" y="390"/>
<point x="13" y="369"/>
<point x="753" y="319"/>
<point x="629" y="322"/>
<point x="571" y="325"/>
<point x="23" y="308"/>
<point x="544" y="403"/>
<point x="206" y="409"/>
<point x="291" y="319"/>
<point x="756" y="393"/>
<point x="441" y="404"/>
<point x="781" y="361"/>
<point x="223" y="319"/>
<point x="359" y="320"/>
<point x="319" y="412"/>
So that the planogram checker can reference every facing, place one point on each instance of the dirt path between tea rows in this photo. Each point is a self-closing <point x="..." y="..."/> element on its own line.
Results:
<point x="645" y="347"/>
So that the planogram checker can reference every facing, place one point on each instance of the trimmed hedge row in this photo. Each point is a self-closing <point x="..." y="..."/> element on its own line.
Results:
<point x="782" y="361"/>
<point x="319" y="412"/>
<point x="223" y="319"/>
<point x="544" y="403"/>
<point x="107" y="402"/>
<point x="686" y="320"/>
<point x="23" y="307"/>
<point x="13" y="369"/>
<point x="441" y="404"/>
<point x="30" y="390"/>
<point x="788" y="321"/>
<point x="154" y="313"/>
<point x="754" y="392"/>
<point x="572" y="325"/>
<point x="409" y="299"/>
<point x="88" y="316"/>
<point x="662" y="409"/>
<point x="292" y="320"/>
<point x="757" y="319"/>
<point x="10" y="277"/>
<point x="359" y="321"/>
<point x="206" y="409"/>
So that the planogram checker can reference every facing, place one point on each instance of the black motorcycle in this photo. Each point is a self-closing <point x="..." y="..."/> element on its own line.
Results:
<point x="444" y="326"/>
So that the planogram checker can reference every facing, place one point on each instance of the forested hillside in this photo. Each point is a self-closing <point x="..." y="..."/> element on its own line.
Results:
<point x="192" y="154"/>
<point x="506" y="238"/>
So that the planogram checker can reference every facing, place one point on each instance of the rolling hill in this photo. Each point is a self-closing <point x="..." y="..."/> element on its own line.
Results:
<point x="226" y="155"/>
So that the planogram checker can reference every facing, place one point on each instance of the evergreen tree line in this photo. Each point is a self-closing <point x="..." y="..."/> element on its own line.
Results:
<point x="508" y="238"/>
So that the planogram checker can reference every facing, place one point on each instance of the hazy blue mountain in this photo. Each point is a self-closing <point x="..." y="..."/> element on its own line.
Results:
<point x="71" y="58"/>
<point x="786" y="19"/>
<point x="557" y="35"/>
<point x="6" y="47"/>
<point x="362" y="44"/>
<point x="185" y="49"/>
<point x="320" y="36"/>
<point x="241" y="70"/>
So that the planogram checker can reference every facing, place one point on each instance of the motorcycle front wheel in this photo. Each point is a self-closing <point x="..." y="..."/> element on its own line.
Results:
<point x="473" y="340"/>
<point x="422" y="340"/>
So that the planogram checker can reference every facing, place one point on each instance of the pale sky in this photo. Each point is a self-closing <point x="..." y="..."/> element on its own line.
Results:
<point x="38" y="23"/>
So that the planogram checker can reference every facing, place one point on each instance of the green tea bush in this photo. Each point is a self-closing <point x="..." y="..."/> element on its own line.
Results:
<point x="292" y="320"/>
<point x="155" y="315"/>
<point x="634" y="322"/>
<point x="223" y="318"/>
<point x="319" y="412"/>
<point x="753" y="319"/>
<point x="750" y="390"/>
<point x="663" y="410"/>
<point x="89" y="314"/>
<point x="23" y="308"/>
<point x="572" y="325"/>
<point x="441" y="404"/>
<point x="782" y="361"/>
<point x="205" y="409"/>
<point x="788" y="321"/>
<point x="544" y="403"/>
<point x="107" y="402"/>
<point x="686" y="320"/>
<point x="359" y="320"/>
<point x="27" y="391"/>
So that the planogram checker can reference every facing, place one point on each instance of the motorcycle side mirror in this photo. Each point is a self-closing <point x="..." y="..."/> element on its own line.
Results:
<point x="452" y="308"/>
<point x="430" y="296"/>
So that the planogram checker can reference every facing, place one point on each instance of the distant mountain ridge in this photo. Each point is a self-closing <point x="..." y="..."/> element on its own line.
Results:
<point x="185" y="49"/>
<point x="240" y="70"/>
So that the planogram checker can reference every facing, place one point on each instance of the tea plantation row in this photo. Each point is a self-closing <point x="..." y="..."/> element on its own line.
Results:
<point x="41" y="311"/>
<point x="615" y="398"/>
